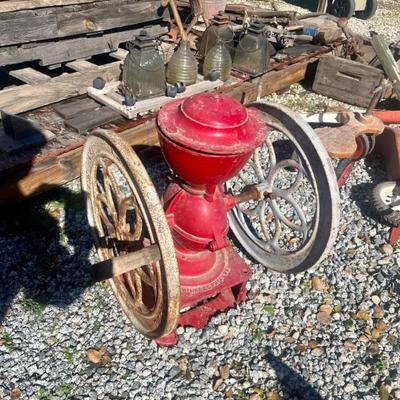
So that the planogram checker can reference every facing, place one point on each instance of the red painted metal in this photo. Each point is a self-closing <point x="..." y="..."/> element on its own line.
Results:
<point x="394" y="236"/>
<point x="388" y="146"/>
<point x="360" y="152"/>
<point x="195" y="132"/>
<point x="341" y="180"/>
<point x="206" y="139"/>
<point x="388" y="116"/>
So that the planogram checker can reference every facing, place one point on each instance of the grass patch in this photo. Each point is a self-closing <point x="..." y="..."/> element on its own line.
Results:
<point x="348" y="324"/>
<point x="381" y="364"/>
<point x="68" y="355"/>
<point x="306" y="285"/>
<point x="33" y="306"/>
<point x="269" y="308"/>
<point x="258" y="335"/>
<point x="8" y="341"/>
<point x="65" y="389"/>
<point x="42" y="394"/>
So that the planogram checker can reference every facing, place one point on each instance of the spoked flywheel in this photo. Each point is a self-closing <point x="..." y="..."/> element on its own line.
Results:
<point x="292" y="225"/>
<point x="129" y="224"/>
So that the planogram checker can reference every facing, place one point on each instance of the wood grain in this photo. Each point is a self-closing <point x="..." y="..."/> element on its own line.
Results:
<point x="17" y="5"/>
<point x="28" y="180"/>
<point x="49" y="53"/>
<point x="44" y="24"/>
<point x="346" y="80"/>
<point x="28" y="97"/>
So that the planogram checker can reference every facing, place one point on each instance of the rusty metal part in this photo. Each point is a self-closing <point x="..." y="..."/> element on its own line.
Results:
<point x="341" y="141"/>
<point x="126" y="216"/>
<point x="353" y="45"/>
<point x="249" y="193"/>
<point x="376" y="96"/>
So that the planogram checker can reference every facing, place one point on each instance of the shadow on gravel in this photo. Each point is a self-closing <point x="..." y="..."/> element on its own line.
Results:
<point x="291" y="383"/>
<point x="44" y="248"/>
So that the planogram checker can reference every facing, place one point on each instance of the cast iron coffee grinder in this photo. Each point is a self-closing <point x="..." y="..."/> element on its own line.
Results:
<point x="170" y="262"/>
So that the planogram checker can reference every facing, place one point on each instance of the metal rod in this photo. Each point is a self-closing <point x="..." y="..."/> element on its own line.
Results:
<point x="250" y="193"/>
<point x="127" y="262"/>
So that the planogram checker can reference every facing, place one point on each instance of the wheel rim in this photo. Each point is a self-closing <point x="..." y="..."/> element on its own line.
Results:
<point x="282" y="231"/>
<point x="123" y="211"/>
<point x="388" y="195"/>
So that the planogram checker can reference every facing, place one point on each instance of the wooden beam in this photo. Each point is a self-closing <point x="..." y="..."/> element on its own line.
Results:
<point x="30" y="76"/>
<point x="81" y="66"/>
<point x="50" y="53"/>
<point x="17" y="5"/>
<point x="270" y="83"/>
<point x="44" y="24"/>
<point x="29" y="180"/>
<point x="28" y="97"/>
<point x="122" y="264"/>
<point x="389" y="64"/>
<point x="120" y="54"/>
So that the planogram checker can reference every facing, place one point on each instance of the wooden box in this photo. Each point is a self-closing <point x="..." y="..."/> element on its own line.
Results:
<point x="346" y="80"/>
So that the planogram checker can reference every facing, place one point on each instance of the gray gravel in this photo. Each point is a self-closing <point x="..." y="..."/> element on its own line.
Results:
<point x="272" y="343"/>
<point x="275" y="345"/>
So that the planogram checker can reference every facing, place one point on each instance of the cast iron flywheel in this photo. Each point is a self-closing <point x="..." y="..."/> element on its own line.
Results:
<point x="294" y="225"/>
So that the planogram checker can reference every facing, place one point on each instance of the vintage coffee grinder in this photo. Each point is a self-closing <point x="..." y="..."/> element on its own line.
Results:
<point x="169" y="261"/>
<point x="206" y="139"/>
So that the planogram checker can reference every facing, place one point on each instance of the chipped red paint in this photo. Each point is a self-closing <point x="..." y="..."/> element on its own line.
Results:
<point x="206" y="139"/>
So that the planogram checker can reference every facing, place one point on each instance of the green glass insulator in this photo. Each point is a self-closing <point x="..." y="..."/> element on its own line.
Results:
<point x="143" y="71"/>
<point x="219" y="29"/>
<point x="252" y="51"/>
<point x="182" y="66"/>
<point x="219" y="60"/>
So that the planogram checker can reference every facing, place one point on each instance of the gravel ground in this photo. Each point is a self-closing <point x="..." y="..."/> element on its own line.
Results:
<point x="278" y="344"/>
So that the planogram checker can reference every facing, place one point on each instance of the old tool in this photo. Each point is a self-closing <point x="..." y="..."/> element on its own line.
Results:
<point x="232" y="167"/>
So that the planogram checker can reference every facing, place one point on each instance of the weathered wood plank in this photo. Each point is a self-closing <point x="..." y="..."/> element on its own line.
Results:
<point x="83" y="122"/>
<point x="30" y="76"/>
<point x="77" y="106"/>
<point x="346" y="80"/>
<point x="115" y="101"/>
<point x="120" y="54"/>
<point x="81" y="66"/>
<point x="388" y="62"/>
<point x="17" y="5"/>
<point x="44" y="24"/>
<point x="31" y="180"/>
<point x="28" y="97"/>
<point x="270" y="83"/>
<point x="72" y="49"/>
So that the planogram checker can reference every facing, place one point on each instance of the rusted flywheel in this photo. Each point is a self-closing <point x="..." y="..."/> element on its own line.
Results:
<point x="130" y="230"/>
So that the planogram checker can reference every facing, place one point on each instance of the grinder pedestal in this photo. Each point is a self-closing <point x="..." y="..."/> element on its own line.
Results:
<point x="206" y="139"/>
<point x="212" y="275"/>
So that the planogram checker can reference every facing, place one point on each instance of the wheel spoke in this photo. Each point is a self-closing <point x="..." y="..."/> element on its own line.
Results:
<point x="303" y="227"/>
<point x="100" y="201"/>
<point x="257" y="164"/>
<point x="269" y="183"/>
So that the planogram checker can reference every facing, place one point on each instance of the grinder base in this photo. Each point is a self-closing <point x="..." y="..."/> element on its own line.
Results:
<point x="199" y="303"/>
